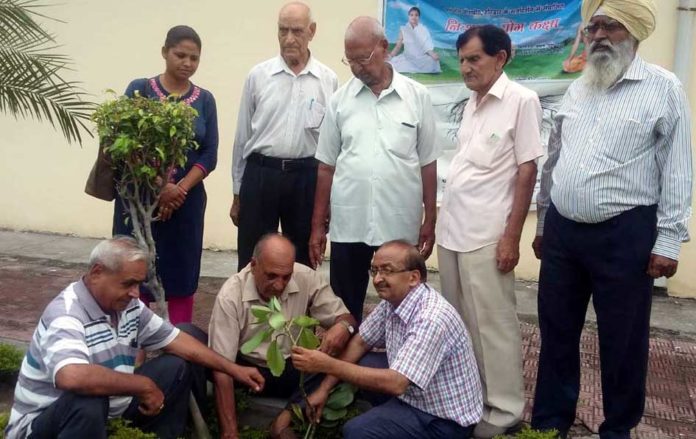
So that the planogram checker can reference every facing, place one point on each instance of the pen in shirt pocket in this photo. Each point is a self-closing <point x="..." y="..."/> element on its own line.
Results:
<point x="311" y="101"/>
<point x="407" y="125"/>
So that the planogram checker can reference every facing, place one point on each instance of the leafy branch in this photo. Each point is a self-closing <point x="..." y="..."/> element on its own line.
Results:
<point x="146" y="140"/>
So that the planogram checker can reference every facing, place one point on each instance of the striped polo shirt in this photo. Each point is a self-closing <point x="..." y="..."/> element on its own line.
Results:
<point x="75" y="330"/>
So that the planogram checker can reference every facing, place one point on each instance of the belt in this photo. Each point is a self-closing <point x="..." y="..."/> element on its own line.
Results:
<point x="282" y="164"/>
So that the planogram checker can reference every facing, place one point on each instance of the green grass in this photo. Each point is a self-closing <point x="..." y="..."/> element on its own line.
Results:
<point x="528" y="433"/>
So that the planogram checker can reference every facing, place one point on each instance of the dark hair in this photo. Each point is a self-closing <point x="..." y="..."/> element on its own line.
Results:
<point x="413" y="260"/>
<point x="415" y="8"/>
<point x="179" y="33"/>
<point x="493" y="38"/>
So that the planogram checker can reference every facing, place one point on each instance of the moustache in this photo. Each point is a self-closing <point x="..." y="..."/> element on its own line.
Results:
<point x="599" y="45"/>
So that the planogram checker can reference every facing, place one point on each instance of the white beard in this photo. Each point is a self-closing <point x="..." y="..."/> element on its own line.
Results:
<point x="605" y="67"/>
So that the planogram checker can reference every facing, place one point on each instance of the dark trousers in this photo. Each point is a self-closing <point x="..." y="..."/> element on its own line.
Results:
<point x="607" y="261"/>
<point x="349" y="273"/>
<point x="83" y="416"/>
<point x="273" y="191"/>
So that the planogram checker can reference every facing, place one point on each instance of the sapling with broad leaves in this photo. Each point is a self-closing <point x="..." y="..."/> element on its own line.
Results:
<point x="300" y="331"/>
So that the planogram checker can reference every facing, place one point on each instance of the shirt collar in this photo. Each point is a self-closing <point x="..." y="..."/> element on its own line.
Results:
<point x="498" y="88"/>
<point x="281" y="66"/>
<point x="398" y="85"/>
<point x="250" y="294"/>
<point x="636" y="71"/>
<point x="88" y="302"/>
<point x="409" y="305"/>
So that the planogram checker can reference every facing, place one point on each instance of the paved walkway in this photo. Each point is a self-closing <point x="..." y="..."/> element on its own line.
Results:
<point x="35" y="267"/>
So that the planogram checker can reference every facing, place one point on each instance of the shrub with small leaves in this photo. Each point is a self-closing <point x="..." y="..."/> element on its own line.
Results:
<point x="528" y="433"/>
<point x="4" y="420"/>
<point x="10" y="359"/>
<point x="145" y="140"/>
<point x="119" y="428"/>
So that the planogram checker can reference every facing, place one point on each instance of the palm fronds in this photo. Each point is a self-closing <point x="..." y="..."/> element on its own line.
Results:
<point x="31" y="82"/>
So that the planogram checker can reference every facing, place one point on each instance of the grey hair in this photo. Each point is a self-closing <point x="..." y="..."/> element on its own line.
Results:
<point x="309" y="10"/>
<point x="374" y="29"/>
<point x="261" y="243"/>
<point x="112" y="253"/>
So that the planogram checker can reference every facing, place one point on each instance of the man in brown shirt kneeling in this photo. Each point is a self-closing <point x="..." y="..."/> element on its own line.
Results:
<point x="272" y="272"/>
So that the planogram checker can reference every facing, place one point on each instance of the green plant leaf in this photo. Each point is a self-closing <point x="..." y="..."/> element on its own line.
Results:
<point x="341" y="397"/>
<point x="333" y="415"/>
<point x="275" y="359"/>
<point x="255" y="341"/>
<point x="297" y="411"/>
<point x="305" y="321"/>
<point x="277" y="320"/>
<point x="328" y="424"/>
<point x="307" y="339"/>
<point x="274" y="304"/>
<point x="260" y="312"/>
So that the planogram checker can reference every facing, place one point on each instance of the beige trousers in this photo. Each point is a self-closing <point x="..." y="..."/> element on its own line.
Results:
<point x="485" y="298"/>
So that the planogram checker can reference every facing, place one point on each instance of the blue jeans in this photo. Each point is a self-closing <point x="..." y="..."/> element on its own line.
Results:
<point x="393" y="418"/>
<point x="398" y="420"/>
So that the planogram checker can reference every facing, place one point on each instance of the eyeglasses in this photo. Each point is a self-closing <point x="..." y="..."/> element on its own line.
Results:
<point x="386" y="271"/>
<point x="359" y="61"/>
<point x="608" y="27"/>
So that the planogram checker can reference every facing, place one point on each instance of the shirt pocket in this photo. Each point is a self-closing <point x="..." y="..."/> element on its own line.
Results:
<point x="483" y="150"/>
<point x="401" y="137"/>
<point x="629" y="139"/>
<point x="314" y="115"/>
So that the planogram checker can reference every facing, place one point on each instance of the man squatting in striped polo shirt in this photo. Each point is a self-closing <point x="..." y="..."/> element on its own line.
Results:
<point x="79" y="369"/>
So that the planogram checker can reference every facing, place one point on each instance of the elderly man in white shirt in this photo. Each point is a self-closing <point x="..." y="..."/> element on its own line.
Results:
<point x="377" y="165"/>
<point x="273" y="167"/>
<point x="486" y="199"/>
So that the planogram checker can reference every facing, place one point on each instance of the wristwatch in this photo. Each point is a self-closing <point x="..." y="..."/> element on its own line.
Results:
<point x="348" y="326"/>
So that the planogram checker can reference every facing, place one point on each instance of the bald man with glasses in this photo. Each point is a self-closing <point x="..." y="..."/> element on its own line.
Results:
<point x="377" y="165"/>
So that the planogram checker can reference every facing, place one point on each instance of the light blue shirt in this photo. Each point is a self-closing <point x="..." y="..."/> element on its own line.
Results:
<point x="628" y="146"/>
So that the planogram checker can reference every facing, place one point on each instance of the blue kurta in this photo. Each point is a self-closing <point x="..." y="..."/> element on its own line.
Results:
<point x="179" y="240"/>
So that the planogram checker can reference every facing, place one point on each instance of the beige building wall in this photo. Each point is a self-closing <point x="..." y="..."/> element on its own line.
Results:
<point x="42" y="177"/>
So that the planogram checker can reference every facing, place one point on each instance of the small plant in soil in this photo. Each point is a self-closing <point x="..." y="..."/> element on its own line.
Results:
<point x="300" y="331"/>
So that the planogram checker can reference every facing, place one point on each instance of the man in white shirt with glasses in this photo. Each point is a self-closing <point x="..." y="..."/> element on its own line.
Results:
<point x="377" y="165"/>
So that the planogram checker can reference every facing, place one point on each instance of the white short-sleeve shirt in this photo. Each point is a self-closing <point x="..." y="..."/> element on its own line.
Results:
<point x="377" y="145"/>
<point x="495" y="137"/>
